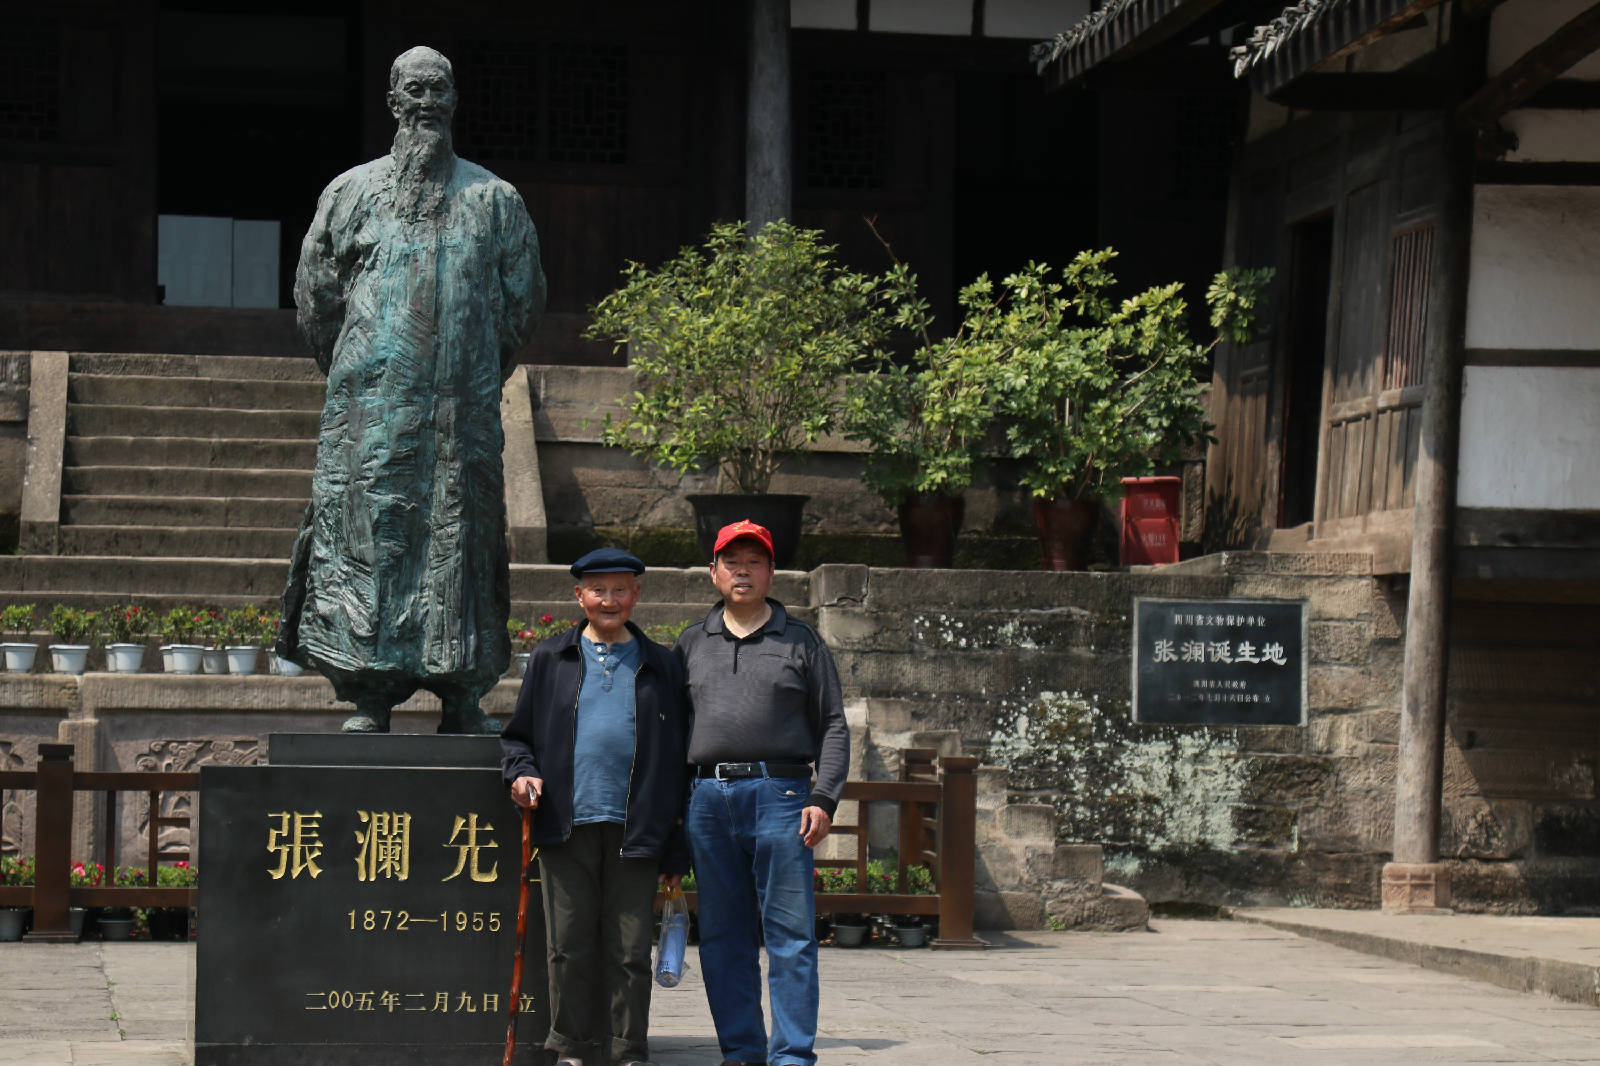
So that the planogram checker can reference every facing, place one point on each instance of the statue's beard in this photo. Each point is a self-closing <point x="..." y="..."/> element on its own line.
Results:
<point x="422" y="164"/>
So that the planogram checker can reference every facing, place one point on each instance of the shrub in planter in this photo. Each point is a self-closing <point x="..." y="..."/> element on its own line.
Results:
<point x="73" y="632"/>
<point x="1093" y="389"/>
<point x="16" y="620"/>
<point x="738" y="347"/>
<point x="125" y="628"/>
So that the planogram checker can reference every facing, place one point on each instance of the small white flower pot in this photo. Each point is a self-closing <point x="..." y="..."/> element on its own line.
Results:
<point x="166" y="657"/>
<point x="19" y="656"/>
<point x="277" y="664"/>
<point x="214" y="661"/>
<point x="185" y="658"/>
<point x="69" y="658"/>
<point x="242" y="658"/>
<point x="124" y="658"/>
<point x="522" y="663"/>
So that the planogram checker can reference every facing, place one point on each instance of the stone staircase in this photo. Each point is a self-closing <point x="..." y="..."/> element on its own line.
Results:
<point x="181" y="479"/>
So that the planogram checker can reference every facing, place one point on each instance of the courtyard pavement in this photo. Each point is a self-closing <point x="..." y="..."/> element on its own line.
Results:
<point x="1225" y="992"/>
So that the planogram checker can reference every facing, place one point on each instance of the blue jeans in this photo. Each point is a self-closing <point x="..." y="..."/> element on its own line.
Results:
<point x="754" y="877"/>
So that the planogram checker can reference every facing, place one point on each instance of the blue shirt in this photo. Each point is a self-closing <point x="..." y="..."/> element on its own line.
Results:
<point x="604" y="735"/>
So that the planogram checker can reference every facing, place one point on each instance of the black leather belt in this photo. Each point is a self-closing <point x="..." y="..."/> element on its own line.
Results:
<point x="727" y="771"/>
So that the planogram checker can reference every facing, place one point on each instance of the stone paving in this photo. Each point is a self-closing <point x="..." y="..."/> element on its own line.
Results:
<point x="1187" y="992"/>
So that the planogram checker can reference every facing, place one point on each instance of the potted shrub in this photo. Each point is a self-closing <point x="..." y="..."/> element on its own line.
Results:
<point x="172" y="923"/>
<point x="116" y="923"/>
<point x="245" y="629"/>
<point x="83" y="875"/>
<point x="211" y="628"/>
<point x="1094" y="389"/>
<point x="924" y="423"/>
<point x="527" y="636"/>
<point x="72" y="632"/>
<point x="849" y="930"/>
<point x="17" y="621"/>
<point x="15" y="870"/>
<point x="911" y="930"/>
<point x="276" y="664"/>
<point x="125" y="628"/>
<point x="738" y="347"/>
<point x="181" y="653"/>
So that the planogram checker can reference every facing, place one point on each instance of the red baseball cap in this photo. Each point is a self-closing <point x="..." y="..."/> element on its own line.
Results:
<point x="743" y="528"/>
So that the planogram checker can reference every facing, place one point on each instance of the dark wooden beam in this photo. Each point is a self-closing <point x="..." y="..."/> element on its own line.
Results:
<point x="1566" y="94"/>
<point x="1391" y="91"/>
<point x="1477" y="9"/>
<point x="1542" y="64"/>
<point x="1501" y="173"/>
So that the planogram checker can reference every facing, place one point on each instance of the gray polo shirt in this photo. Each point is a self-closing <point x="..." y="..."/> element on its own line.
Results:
<point x="771" y="696"/>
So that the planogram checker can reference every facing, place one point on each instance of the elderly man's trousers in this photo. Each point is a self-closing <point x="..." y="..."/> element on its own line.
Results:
<point x="598" y="920"/>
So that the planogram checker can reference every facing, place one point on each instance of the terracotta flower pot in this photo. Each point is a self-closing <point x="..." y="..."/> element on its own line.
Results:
<point x="1066" y="528"/>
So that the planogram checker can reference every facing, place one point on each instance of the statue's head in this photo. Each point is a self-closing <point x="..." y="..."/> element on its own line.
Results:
<point x="422" y="91"/>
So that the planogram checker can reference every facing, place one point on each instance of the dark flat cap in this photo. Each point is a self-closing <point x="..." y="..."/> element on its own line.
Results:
<point x="607" y="561"/>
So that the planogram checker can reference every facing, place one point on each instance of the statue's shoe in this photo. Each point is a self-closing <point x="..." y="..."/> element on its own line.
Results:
<point x="364" y="723"/>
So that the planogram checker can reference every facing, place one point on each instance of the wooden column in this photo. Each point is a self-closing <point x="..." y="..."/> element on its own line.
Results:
<point x="768" y="167"/>
<point x="957" y="852"/>
<point x="1416" y="881"/>
<point x="52" y="834"/>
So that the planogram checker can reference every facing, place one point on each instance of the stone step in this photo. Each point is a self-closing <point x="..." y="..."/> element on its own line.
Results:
<point x="185" y="481"/>
<point x="105" y="510"/>
<point x="156" y="391"/>
<point x="191" y="451"/>
<point x="28" y="577"/>
<point x="236" y="542"/>
<point x="101" y="420"/>
<point x="253" y="368"/>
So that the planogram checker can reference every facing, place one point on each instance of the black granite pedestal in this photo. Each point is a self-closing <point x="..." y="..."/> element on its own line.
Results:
<point x="358" y="906"/>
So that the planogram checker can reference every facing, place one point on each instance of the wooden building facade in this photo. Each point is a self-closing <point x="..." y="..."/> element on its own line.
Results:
<point x="1424" y="177"/>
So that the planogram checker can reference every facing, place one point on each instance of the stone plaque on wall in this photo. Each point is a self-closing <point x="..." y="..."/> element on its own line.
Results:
<point x="362" y="914"/>
<point x="1222" y="662"/>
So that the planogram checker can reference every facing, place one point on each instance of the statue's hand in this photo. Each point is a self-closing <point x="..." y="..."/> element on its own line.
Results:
<point x="525" y="791"/>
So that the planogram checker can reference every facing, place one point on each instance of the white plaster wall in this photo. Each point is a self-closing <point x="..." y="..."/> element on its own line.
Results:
<point x="822" y="14"/>
<point x="1520" y="24"/>
<point x="1535" y="267"/>
<point x="1031" y="19"/>
<point x="1530" y="438"/>
<point x="1554" y="136"/>
<point x="951" y="18"/>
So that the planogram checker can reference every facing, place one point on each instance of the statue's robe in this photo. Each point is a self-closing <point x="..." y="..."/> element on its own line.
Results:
<point x="400" y="573"/>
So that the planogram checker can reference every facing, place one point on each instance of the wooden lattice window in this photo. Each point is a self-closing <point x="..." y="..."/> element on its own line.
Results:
<point x="498" y="86"/>
<point x="1408" y="308"/>
<point x="30" y="79"/>
<point x="847" y="129"/>
<point x="589" y="104"/>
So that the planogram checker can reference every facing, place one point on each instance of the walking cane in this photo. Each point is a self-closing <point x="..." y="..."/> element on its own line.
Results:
<point x="522" y="933"/>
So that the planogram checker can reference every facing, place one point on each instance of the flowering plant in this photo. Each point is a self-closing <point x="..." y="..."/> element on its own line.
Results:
<point x="87" y="876"/>
<point x="17" y="618"/>
<point x="667" y="632"/>
<point x="16" y="869"/>
<point x="178" y="875"/>
<point x="210" y="627"/>
<point x="531" y="633"/>
<point x="250" y="625"/>
<point x="126" y="623"/>
<point x="69" y="625"/>
<point x="180" y="625"/>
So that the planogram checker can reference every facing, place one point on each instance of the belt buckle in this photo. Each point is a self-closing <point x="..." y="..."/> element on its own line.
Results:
<point x="737" y="769"/>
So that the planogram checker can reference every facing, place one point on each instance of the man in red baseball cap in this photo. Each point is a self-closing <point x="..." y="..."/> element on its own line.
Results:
<point x="769" y="752"/>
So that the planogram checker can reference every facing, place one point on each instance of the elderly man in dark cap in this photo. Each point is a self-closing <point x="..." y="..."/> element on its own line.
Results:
<point x="597" y="747"/>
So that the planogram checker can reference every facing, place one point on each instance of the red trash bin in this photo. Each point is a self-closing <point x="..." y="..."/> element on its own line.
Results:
<point x="1150" y="520"/>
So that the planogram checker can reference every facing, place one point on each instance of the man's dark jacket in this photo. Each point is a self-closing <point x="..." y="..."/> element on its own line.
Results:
<point x="538" y="742"/>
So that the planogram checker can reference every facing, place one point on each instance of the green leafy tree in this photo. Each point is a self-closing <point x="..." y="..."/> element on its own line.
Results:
<point x="738" y="347"/>
<point x="1094" y="389"/>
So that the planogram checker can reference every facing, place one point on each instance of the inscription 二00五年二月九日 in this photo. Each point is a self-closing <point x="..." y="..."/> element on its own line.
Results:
<point x="402" y="921"/>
